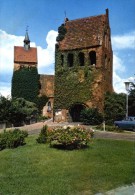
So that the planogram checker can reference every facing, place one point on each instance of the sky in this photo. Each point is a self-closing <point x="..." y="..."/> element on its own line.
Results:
<point x="43" y="17"/>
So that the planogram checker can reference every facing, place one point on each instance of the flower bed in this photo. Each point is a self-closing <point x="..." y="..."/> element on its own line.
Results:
<point x="70" y="137"/>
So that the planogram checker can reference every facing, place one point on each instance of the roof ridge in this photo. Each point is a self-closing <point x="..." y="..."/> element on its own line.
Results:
<point x="86" y="18"/>
<point x="23" y="47"/>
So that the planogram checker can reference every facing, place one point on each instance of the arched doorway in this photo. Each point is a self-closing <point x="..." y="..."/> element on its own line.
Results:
<point x="75" y="111"/>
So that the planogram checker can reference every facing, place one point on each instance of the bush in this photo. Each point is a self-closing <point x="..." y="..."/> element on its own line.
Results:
<point x="91" y="116"/>
<point x="12" y="139"/>
<point x="70" y="138"/>
<point x="42" y="118"/>
<point x="43" y="135"/>
<point x="109" y="128"/>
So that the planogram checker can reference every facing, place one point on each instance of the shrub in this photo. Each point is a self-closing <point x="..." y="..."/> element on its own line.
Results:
<point x="91" y="116"/>
<point x="43" y="135"/>
<point x="70" y="138"/>
<point x="109" y="128"/>
<point x="12" y="139"/>
<point x="42" y="118"/>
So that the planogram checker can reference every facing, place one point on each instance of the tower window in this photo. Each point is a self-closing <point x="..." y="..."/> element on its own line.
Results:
<point x="92" y="56"/>
<point x="70" y="60"/>
<point x="49" y="107"/>
<point x="81" y="59"/>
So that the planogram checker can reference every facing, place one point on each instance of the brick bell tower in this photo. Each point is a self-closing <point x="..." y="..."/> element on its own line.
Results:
<point x="25" y="79"/>
<point x="25" y="56"/>
<point x="83" y="66"/>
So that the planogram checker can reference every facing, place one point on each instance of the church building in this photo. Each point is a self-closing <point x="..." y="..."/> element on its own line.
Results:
<point x="83" y="66"/>
<point x="26" y="82"/>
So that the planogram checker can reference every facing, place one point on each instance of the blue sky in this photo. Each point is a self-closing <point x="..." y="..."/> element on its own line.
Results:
<point x="45" y="16"/>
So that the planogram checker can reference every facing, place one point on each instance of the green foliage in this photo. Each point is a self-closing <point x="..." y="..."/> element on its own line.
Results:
<point x="114" y="108"/>
<point x="21" y="110"/>
<point x="16" y="110"/>
<point x="74" y="87"/>
<point x="61" y="33"/>
<point x="12" y="139"/>
<point x="132" y="100"/>
<point x="5" y="104"/>
<point x="43" y="135"/>
<point x="25" y="84"/>
<point x="42" y="118"/>
<point x="109" y="128"/>
<point x="41" y="102"/>
<point x="70" y="138"/>
<point x="91" y="116"/>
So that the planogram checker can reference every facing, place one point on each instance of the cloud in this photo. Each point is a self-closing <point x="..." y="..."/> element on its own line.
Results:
<point x="119" y="85"/>
<point x="126" y="41"/>
<point x="7" y="43"/>
<point x="120" y="42"/>
<point x="118" y="64"/>
<point x="46" y="56"/>
<point x="5" y="89"/>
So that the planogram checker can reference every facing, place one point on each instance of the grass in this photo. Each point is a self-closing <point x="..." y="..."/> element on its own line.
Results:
<point x="36" y="169"/>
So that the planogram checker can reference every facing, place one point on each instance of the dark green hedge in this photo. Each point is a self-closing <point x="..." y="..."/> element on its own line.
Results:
<point x="25" y="84"/>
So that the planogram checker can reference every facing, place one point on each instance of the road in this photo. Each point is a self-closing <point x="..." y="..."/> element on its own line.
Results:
<point x="36" y="128"/>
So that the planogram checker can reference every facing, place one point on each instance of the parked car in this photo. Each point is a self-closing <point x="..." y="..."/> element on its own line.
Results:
<point x="127" y="124"/>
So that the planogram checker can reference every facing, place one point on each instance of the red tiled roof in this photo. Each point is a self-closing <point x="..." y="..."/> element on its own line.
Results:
<point x="22" y="55"/>
<point x="83" y="32"/>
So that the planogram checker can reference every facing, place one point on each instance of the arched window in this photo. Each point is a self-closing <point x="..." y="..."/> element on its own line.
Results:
<point x="70" y="60"/>
<point x="81" y="59"/>
<point x="62" y="60"/>
<point x="92" y="56"/>
<point x="49" y="107"/>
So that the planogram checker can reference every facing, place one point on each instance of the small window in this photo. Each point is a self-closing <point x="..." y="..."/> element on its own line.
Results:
<point x="92" y="56"/>
<point x="81" y="59"/>
<point x="70" y="60"/>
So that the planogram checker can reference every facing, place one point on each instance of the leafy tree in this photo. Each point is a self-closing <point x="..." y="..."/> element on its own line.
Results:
<point x="115" y="107"/>
<point x="131" y="101"/>
<point x="5" y="104"/>
<point x="16" y="110"/>
<point x="21" y="110"/>
<point x="91" y="116"/>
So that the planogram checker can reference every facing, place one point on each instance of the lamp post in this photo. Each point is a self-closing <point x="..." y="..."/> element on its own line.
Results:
<point x="127" y="89"/>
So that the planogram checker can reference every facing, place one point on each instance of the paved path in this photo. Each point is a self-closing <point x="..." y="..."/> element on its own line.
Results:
<point x="125" y="190"/>
<point x="36" y="128"/>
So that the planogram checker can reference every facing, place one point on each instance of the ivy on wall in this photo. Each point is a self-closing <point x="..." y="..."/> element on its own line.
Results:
<point x="72" y="85"/>
<point x="69" y="89"/>
<point x="25" y="84"/>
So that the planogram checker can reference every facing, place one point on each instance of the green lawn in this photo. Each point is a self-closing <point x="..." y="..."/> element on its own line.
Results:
<point x="37" y="169"/>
